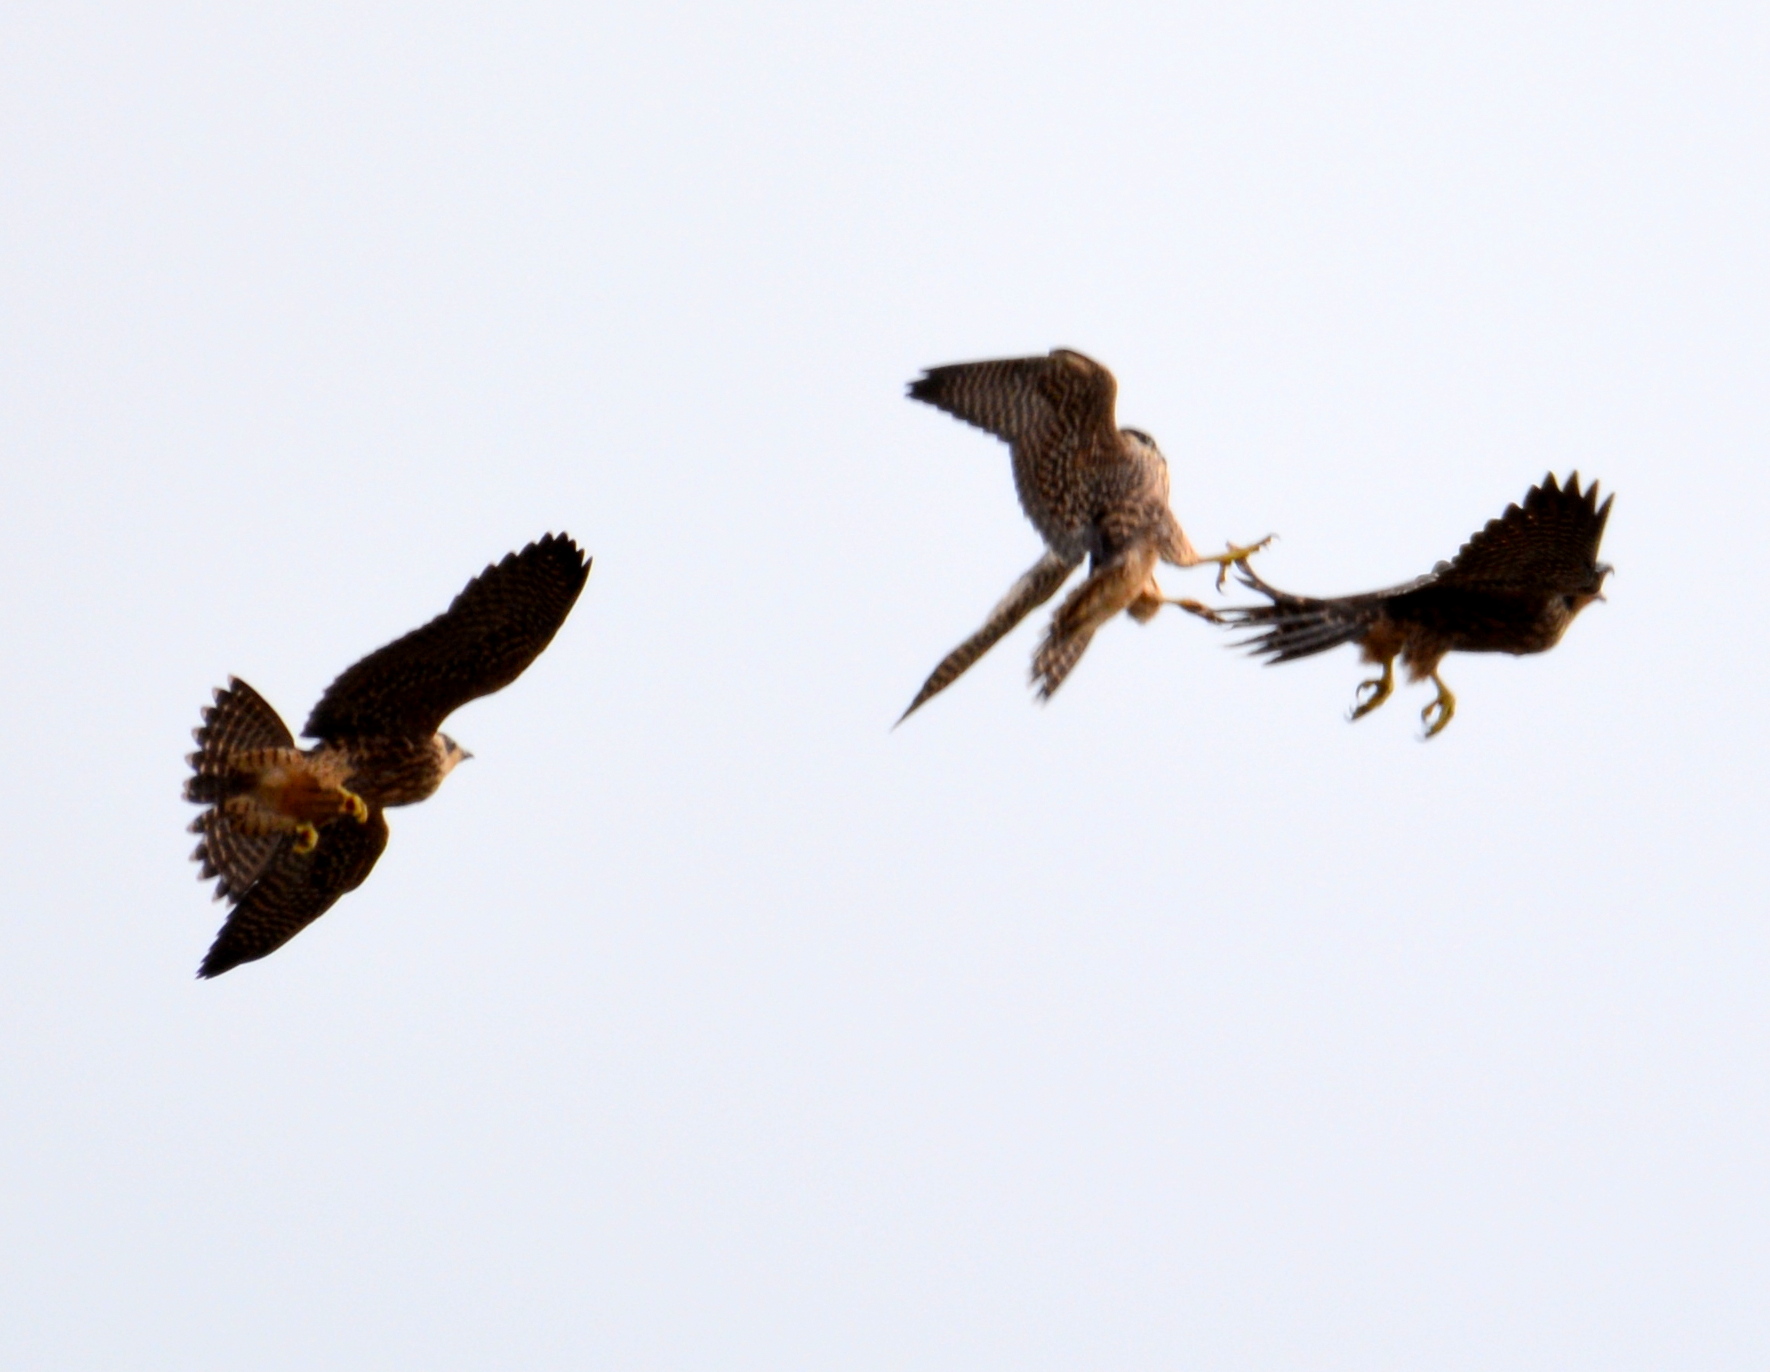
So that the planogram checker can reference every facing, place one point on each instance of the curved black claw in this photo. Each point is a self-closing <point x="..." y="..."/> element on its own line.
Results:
<point x="1380" y="689"/>
<point x="1444" y="705"/>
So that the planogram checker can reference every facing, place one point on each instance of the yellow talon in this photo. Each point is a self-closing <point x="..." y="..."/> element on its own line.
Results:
<point x="307" y="838"/>
<point x="1444" y="704"/>
<point x="1237" y="553"/>
<point x="354" y="806"/>
<point x="1380" y="689"/>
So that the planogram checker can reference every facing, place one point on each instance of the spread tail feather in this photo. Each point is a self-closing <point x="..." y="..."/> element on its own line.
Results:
<point x="1294" y="626"/>
<point x="239" y="719"/>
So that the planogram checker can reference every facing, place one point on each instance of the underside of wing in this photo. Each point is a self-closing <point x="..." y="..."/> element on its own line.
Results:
<point x="1022" y="399"/>
<point x="1053" y="410"/>
<point x="295" y="889"/>
<point x="494" y="629"/>
<point x="1548" y="544"/>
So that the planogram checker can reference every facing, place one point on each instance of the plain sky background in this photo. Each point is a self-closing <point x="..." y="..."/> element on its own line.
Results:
<point x="701" y="1021"/>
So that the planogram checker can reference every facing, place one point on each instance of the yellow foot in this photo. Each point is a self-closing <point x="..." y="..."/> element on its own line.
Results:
<point x="307" y="838"/>
<point x="354" y="806"/>
<point x="1444" y="705"/>
<point x="1237" y="553"/>
<point x="1379" y="688"/>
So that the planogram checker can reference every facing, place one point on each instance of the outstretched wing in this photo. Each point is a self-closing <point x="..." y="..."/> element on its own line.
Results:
<point x="1056" y="413"/>
<point x="295" y="889"/>
<point x="239" y="719"/>
<point x="480" y="644"/>
<point x="1547" y="545"/>
<point x="1032" y="590"/>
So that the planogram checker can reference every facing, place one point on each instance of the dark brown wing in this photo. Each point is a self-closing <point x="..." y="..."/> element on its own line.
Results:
<point x="1546" y="546"/>
<point x="295" y="890"/>
<point x="1056" y="412"/>
<point x="480" y="644"/>
<point x="239" y="719"/>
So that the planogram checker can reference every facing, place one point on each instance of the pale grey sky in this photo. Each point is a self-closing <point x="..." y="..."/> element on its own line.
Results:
<point x="701" y="1022"/>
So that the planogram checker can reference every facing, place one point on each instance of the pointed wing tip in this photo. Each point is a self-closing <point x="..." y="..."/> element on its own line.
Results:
<point x="1572" y="491"/>
<point x="552" y="544"/>
<point x="214" y="964"/>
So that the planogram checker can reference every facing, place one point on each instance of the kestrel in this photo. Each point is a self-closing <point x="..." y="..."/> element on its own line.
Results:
<point x="1512" y="588"/>
<point x="1090" y="488"/>
<point x="290" y="830"/>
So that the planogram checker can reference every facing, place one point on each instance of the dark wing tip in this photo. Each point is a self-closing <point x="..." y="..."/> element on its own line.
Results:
<point x="561" y="544"/>
<point x="1571" y="493"/>
<point x="223" y="956"/>
<point x="925" y="387"/>
<point x="560" y="548"/>
<point x="215" y="962"/>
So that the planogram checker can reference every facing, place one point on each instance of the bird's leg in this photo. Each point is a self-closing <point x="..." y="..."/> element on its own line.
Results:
<point x="354" y="806"/>
<point x="1380" y="689"/>
<point x="1182" y="554"/>
<point x="1148" y="603"/>
<point x="307" y="838"/>
<point x="1444" y="705"/>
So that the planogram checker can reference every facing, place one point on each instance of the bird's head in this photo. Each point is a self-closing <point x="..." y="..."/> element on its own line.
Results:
<point x="1143" y="440"/>
<point x="451" y="752"/>
<point x="1141" y="443"/>
<point x="1578" y="600"/>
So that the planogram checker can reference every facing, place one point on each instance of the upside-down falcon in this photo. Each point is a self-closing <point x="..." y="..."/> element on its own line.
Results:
<point x="1512" y="588"/>
<point x="289" y="830"/>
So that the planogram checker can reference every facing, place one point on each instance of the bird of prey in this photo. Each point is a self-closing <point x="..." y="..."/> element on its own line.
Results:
<point x="1090" y="488"/>
<point x="289" y="830"/>
<point x="1512" y="588"/>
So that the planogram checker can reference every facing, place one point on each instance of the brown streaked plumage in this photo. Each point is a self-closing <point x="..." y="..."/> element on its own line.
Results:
<point x="289" y="830"/>
<point x="1090" y="488"/>
<point x="1512" y="588"/>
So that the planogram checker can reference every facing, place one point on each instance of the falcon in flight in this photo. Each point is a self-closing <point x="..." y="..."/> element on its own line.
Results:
<point x="289" y="830"/>
<point x="1513" y="588"/>
<point x="1090" y="488"/>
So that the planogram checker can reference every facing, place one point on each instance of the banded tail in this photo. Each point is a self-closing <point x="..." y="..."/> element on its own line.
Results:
<point x="240" y="719"/>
